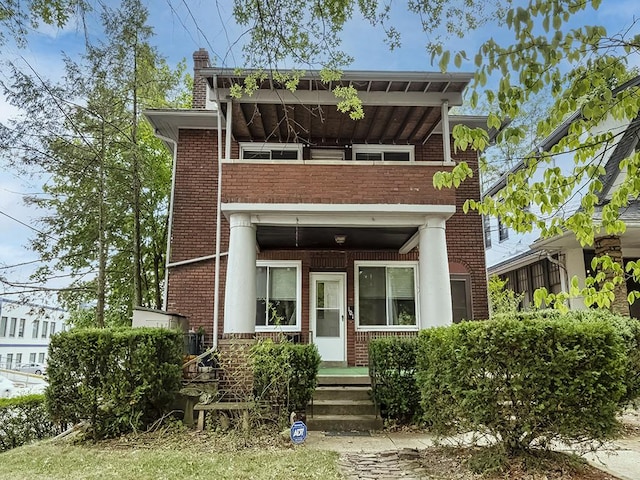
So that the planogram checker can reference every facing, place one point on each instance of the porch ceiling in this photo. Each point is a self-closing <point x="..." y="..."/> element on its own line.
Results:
<point x="399" y="108"/>
<point x="355" y="238"/>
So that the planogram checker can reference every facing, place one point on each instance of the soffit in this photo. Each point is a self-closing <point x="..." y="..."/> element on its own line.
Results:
<point x="399" y="108"/>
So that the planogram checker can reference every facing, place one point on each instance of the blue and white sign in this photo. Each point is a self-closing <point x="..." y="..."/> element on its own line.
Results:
<point x="298" y="432"/>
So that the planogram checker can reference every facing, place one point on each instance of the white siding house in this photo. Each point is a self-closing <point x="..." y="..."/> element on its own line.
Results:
<point x="25" y="330"/>
<point x="530" y="262"/>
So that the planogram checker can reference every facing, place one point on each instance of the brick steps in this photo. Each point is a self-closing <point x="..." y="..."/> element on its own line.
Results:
<point x="343" y="403"/>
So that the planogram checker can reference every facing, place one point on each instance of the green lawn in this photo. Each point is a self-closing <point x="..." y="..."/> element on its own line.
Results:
<point x="171" y="462"/>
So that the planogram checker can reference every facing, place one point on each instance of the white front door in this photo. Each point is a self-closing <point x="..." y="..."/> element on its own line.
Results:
<point x="327" y="315"/>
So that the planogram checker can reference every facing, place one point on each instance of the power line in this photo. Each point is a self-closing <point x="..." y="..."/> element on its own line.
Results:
<point x="28" y="226"/>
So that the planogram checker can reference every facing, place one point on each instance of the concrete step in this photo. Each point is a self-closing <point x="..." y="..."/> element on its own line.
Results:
<point x="342" y="393"/>
<point x="327" y="380"/>
<point x="342" y="407"/>
<point x="343" y="423"/>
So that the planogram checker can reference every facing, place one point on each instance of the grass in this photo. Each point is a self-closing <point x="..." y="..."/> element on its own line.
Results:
<point x="192" y="459"/>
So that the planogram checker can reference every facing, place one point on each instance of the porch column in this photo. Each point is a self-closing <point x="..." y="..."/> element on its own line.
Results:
<point x="435" y="289"/>
<point x="240" y="288"/>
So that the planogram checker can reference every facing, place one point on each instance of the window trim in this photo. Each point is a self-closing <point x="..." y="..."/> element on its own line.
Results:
<point x="356" y="287"/>
<point x="284" y="263"/>
<point x="381" y="148"/>
<point x="269" y="146"/>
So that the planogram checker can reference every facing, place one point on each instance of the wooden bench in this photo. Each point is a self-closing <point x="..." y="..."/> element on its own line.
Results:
<point x="243" y="407"/>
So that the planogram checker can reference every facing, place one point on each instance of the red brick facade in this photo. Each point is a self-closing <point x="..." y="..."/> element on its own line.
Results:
<point x="191" y="286"/>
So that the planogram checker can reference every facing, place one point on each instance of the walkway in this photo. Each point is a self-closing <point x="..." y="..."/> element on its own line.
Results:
<point x="394" y="455"/>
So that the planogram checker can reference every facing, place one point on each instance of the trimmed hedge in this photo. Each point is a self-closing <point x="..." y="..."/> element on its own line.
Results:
<point x="23" y="420"/>
<point x="392" y="368"/>
<point x="285" y="375"/>
<point x="118" y="379"/>
<point x="628" y="328"/>
<point x="525" y="382"/>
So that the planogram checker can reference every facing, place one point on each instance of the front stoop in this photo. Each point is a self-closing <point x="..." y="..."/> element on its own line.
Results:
<point x="342" y="404"/>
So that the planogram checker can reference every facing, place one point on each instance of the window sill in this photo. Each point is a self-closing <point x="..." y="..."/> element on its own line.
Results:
<point x="390" y="328"/>
<point x="343" y="162"/>
<point x="283" y="329"/>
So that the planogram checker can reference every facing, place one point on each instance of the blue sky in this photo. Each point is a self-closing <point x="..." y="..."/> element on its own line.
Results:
<point x="179" y="31"/>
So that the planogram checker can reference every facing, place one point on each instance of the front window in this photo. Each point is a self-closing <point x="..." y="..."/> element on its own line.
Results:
<point x="3" y="326"/>
<point x="32" y="358"/>
<point x="278" y="290"/>
<point x="41" y="358"/>
<point x="386" y="295"/>
<point x="21" y="327"/>
<point x="45" y="328"/>
<point x="36" y="327"/>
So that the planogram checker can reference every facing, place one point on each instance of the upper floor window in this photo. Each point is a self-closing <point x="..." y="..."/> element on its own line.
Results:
<point x="3" y="326"/>
<point x="21" y="327"/>
<point x="503" y="231"/>
<point x="384" y="153"/>
<point x="45" y="328"/>
<point x="271" y="151"/>
<point x="36" y="328"/>
<point x="12" y="328"/>
<point x="486" y="225"/>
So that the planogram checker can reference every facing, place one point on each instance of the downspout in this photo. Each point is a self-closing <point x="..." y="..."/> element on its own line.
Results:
<point x="216" y="292"/>
<point x="170" y="220"/>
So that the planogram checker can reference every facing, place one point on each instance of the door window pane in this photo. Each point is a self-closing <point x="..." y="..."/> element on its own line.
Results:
<point x="328" y="308"/>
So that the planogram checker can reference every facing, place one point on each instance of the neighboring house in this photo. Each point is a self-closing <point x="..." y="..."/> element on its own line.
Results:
<point x="327" y="229"/>
<point x="25" y="330"/>
<point x="530" y="262"/>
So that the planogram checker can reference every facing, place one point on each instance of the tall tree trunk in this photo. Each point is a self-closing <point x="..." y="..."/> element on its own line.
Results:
<point x="102" y="241"/>
<point x="137" y="241"/>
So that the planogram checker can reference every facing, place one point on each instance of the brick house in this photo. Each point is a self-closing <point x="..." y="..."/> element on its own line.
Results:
<point x="288" y="216"/>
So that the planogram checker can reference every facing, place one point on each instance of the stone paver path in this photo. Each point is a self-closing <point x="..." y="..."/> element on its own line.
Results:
<point x="388" y="465"/>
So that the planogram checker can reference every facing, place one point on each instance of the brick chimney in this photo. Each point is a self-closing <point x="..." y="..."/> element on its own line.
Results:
<point x="200" y="61"/>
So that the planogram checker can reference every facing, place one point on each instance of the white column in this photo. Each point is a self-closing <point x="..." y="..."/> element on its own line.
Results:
<point x="435" y="289"/>
<point x="574" y="261"/>
<point x="240" y="288"/>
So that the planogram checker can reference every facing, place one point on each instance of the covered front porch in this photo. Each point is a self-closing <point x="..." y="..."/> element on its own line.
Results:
<point x="382" y="287"/>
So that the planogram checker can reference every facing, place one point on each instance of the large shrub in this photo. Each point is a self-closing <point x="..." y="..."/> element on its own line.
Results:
<point x="392" y="367"/>
<point x="119" y="380"/>
<point x="628" y="328"/>
<point x="285" y="375"/>
<point x="523" y="381"/>
<point x="23" y="420"/>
